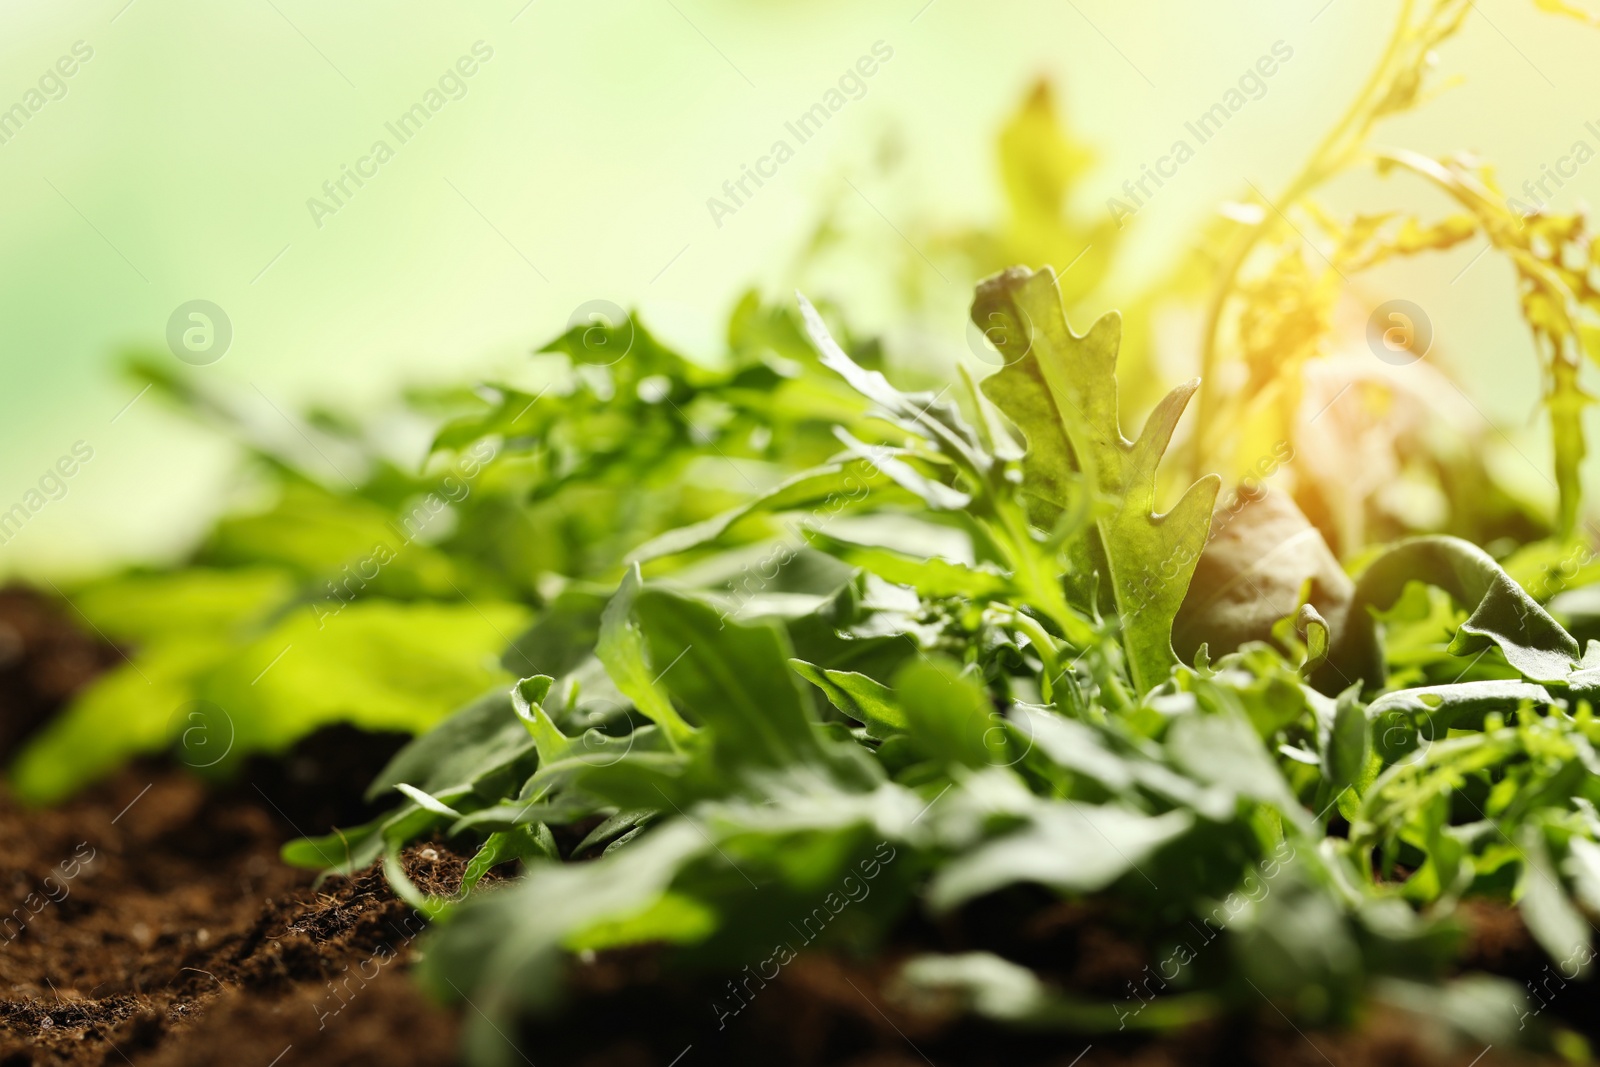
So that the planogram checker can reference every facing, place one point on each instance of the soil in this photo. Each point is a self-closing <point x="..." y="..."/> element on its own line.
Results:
<point x="44" y="659"/>
<point x="153" y="924"/>
<point x="827" y="1010"/>
<point x="150" y="920"/>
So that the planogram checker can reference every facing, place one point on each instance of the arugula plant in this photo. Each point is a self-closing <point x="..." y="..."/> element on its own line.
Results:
<point x="696" y="764"/>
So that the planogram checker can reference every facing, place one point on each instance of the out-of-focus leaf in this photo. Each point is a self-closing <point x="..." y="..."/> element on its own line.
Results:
<point x="476" y="740"/>
<point x="1256" y="562"/>
<point x="148" y="607"/>
<point x="1068" y="846"/>
<point x="1346" y="755"/>
<point x="1009" y="993"/>
<point x="564" y="635"/>
<point x="505" y="951"/>
<point x="1560" y="928"/>
<point x="378" y="665"/>
<point x="621" y="648"/>
<point x="1224" y="749"/>
<point x="948" y="716"/>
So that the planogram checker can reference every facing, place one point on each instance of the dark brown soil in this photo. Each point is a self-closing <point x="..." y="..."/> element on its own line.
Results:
<point x="44" y="659"/>
<point x="154" y="923"/>
<point x="150" y="921"/>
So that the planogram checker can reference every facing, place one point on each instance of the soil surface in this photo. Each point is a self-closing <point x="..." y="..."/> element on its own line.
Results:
<point x="154" y="924"/>
<point x="151" y="923"/>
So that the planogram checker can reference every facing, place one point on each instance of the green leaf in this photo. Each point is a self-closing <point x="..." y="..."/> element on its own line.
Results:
<point x="621" y="648"/>
<point x="426" y="801"/>
<point x="504" y="949"/>
<point x="564" y="635"/>
<point x="732" y="676"/>
<point x="197" y="600"/>
<point x="346" y="851"/>
<point x="924" y="414"/>
<point x="1009" y="993"/>
<point x="949" y="717"/>
<point x="866" y="701"/>
<point x="1068" y="846"/>
<point x="932" y="492"/>
<point x="1346" y="754"/>
<point x="1406" y="718"/>
<point x="830" y="486"/>
<point x="933" y="577"/>
<point x="1554" y="922"/>
<point x="504" y="846"/>
<point x="1503" y="615"/>
<point x="1061" y="391"/>
<point x="527" y="700"/>
<point x="477" y="740"/>
<point x="1225" y="750"/>
<point x="378" y="665"/>
<point x="1583" y="867"/>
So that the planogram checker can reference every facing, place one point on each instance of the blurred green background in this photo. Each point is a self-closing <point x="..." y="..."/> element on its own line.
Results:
<point x="577" y="164"/>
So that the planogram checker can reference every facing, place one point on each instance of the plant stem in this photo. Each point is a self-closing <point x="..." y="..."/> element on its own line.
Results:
<point x="1326" y="160"/>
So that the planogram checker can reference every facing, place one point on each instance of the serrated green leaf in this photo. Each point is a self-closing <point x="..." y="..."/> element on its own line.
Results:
<point x="1060" y="389"/>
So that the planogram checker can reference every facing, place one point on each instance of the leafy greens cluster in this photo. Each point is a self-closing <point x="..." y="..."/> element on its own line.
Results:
<point x="946" y="678"/>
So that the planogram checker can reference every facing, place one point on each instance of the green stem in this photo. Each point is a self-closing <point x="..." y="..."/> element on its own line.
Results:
<point x="1045" y="645"/>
